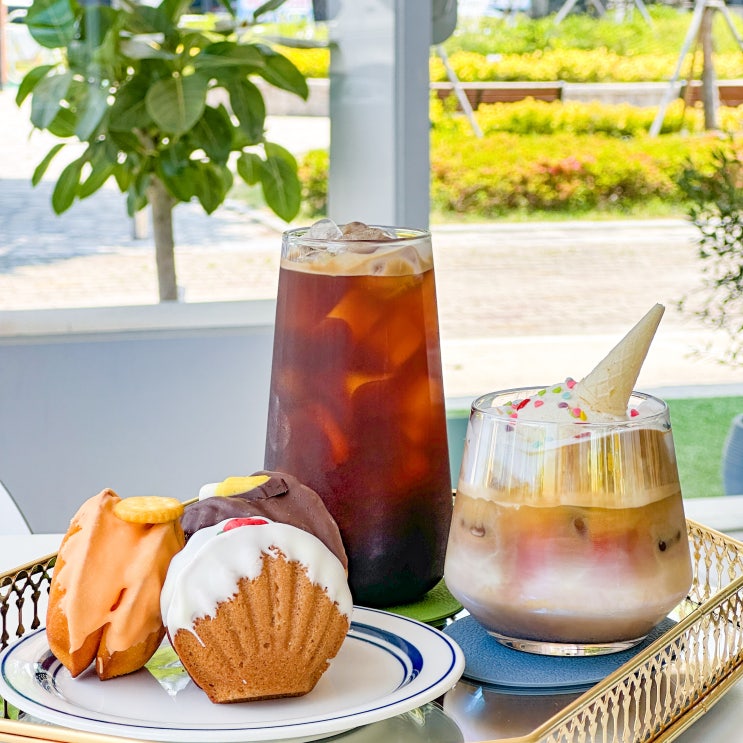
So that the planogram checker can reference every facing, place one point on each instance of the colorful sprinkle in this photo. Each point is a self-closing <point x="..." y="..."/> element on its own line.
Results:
<point x="522" y="404"/>
<point x="557" y="389"/>
<point x="562" y="405"/>
<point x="542" y="392"/>
<point x="570" y="383"/>
<point x="538" y="403"/>
<point x="513" y="415"/>
<point x="634" y="412"/>
<point x="566" y="395"/>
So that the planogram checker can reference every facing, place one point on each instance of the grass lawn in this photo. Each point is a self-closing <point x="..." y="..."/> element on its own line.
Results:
<point x="700" y="426"/>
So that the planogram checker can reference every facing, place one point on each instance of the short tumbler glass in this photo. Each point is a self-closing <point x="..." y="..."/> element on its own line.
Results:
<point x="568" y="538"/>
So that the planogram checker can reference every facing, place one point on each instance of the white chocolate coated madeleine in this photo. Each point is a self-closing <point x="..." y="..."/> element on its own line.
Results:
<point x="256" y="609"/>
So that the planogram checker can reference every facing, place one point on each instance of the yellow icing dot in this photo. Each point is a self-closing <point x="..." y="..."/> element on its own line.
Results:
<point x="237" y="485"/>
<point x="148" y="509"/>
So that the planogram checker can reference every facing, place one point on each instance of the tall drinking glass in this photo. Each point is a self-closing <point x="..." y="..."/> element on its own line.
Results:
<point x="568" y="538"/>
<point x="356" y="405"/>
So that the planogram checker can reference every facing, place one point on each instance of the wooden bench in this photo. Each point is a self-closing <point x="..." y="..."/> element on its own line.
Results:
<point x="502" y="92"/>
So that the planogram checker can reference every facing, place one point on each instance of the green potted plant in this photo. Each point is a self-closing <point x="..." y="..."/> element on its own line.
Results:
<point x="715" y="197"/>
<point x="164" y="108"/>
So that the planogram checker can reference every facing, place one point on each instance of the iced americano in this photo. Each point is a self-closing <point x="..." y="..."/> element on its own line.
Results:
<point x="568" y="534"/>
<point x="357" y="404"/>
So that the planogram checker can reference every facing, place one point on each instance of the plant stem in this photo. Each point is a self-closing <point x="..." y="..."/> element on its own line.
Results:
<point x="162" y="228"/>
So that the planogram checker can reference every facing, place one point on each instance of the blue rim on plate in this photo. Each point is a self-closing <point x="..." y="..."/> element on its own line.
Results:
<point x="388" y="665"/>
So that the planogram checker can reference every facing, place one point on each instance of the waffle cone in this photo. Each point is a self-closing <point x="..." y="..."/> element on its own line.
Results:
<point x="608" y="387"/>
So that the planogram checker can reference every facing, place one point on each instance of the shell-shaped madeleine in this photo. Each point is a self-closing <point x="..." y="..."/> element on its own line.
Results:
<point x="274" y="638"/>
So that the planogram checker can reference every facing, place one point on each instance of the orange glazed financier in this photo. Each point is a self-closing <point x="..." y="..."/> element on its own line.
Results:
<point x="104" y="601"/>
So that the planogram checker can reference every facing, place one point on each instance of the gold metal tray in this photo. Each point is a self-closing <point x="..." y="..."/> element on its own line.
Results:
<point x="653" y="697"/>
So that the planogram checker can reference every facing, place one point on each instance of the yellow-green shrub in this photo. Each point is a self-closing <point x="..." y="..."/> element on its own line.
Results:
<point x="505" y="172"/>
<point x="532" y="116"/>
<point x="578" y="66"/>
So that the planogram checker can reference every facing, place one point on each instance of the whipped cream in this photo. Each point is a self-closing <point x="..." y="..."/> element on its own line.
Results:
<point x="558" y="403"/>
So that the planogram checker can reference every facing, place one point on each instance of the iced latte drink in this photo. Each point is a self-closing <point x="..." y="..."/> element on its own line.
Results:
<point x="357" y="405"/>
<point x="568" y="535"/>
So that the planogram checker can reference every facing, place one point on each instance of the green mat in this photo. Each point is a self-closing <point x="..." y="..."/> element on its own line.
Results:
<point x="436" y="606"/>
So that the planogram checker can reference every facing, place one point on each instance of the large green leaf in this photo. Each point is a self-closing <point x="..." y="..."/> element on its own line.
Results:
<point x="276" y="150"/>
<point x="247" y="104"/>
<point x="177" y="103"/>
<point x="229" y="54"/>
<point x="174" y="9"/>
<point x="128" y="110"/>
<point x="30" y="81"/>
<point x="281" y="187"/>
<point x="66" y="186"/>
<point x="44" y="164"/>
<point x="145" y="46"/>
<point x="51" y="22"/>
<point x="213" y="134"/>
<point x="96" y="21"/>
<point x="90" y="111"/>
<point x="127" y="142"/>
<point x="63" y="124"/>
<point x="212" y="185"/>
<point x="249" y="167"/>
<point x="144" y="19"/>
<point x="282" y="72"/>
<point x="101" y="164"/>
<point x="136" y="195"/>
<point x="181" y="181"/>
<point x="47" y="97"/>
<point x="123" y="176"/>
<point x="267" y="7"/>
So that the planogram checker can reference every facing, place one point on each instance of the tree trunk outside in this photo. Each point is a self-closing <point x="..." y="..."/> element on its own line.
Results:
<point x="162" y="204"/>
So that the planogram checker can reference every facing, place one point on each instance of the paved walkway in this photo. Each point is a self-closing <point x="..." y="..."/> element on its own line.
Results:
<point x="519" y="303"/>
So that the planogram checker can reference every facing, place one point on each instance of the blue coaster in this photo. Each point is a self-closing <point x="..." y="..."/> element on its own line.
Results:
<point x="489" y="662"/>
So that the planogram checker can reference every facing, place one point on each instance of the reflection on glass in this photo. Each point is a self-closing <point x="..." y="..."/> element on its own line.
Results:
<point x="486" y="713"/>
<point x="568" y="538"/>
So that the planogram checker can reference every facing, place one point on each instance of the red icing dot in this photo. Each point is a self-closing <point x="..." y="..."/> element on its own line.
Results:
<point x="249" y="521"/>
<point x="522" y="404"/>
<point x="634" y="412"/>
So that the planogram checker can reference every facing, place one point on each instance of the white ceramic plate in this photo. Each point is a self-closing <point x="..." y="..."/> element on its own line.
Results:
<point x="387" y="665"/>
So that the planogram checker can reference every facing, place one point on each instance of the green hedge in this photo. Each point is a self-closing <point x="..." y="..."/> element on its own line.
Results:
<point x="588" y="162"/>
<point x="504" y="172"/>
<point x="580" y="66"/>
<point x="532" y="116"/>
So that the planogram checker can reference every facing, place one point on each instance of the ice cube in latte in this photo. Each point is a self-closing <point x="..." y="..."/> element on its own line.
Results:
<point x="568" y="534"/>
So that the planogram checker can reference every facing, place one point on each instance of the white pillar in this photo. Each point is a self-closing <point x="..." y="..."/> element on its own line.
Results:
<point x="379" y="112"/>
